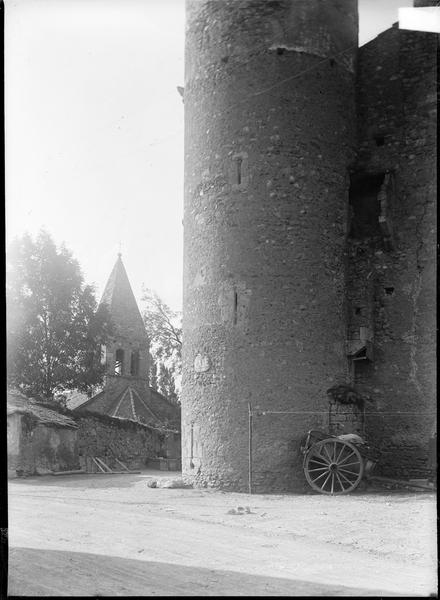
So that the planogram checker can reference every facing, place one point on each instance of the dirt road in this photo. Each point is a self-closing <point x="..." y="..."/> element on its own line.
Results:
<point x="113" y="535"/>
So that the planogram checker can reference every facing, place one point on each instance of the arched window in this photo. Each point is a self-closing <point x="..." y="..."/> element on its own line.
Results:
<point x="119" y="362"/>
<point x="134" y="365"/>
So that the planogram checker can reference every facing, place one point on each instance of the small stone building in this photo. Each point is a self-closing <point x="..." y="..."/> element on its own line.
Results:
<point x="43" y="440"/>
<point x="40" y="440"/>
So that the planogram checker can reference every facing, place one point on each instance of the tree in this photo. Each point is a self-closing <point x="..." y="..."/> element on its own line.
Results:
<point x="166" y="384"/>
<point x="54" y="329"/>
<point x="153" y="372"/>
<point x="164" y="330"/>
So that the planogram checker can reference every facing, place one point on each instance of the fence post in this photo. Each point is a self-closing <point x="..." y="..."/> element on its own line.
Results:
<point x="250" y="447"/>
<point x="191" y="462"/>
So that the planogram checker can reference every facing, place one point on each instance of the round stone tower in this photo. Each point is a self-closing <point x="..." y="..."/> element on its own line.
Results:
<point x="269" y="137"/>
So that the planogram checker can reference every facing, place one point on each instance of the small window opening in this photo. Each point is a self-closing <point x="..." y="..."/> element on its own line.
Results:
<point x="119" y="362"/>
<point x="280" y="51"/>
<point x="332" y="62"/>
<point x="389" y="291"/>
<point x="134" y="363"/>
<point x="363" y="372"/>
<point x="365" y="204"/>
<point x="239" y="166"/>
<point x="357" y="310"/>
<point x="380" y="140"/>
<point x="361" y="355"/>
<point x="235" y="307"/>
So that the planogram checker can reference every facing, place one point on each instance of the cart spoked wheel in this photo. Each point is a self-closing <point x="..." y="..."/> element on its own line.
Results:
<point x="333" y="466"/>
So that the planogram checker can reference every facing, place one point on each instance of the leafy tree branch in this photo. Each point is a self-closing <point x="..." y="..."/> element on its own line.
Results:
<point x="54" y="328"/>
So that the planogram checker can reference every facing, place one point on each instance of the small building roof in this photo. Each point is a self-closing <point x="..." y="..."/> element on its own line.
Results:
<point x="18" y="403"/>
<point x="74" y="398"/>
<point x="135" y="402"/>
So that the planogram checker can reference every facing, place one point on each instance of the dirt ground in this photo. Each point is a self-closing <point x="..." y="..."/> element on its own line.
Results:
<point x="104" y="535"/>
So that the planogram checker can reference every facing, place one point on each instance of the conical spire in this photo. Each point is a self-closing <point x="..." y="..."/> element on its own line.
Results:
<point x="119" y="298"/>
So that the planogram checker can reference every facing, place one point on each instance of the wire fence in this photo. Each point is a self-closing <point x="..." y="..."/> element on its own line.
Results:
<point x="259" y="412"/>
<point x="254" y="412"/>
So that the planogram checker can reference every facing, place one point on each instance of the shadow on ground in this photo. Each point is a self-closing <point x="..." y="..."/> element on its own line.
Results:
<point x="35" y="572"/>
<point x="89" y="481"/>
<point x="95" y="480"/>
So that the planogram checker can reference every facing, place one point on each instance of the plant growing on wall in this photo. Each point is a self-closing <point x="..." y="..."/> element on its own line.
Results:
<point x="164" y="330"/>
<point x="54" y="329"/>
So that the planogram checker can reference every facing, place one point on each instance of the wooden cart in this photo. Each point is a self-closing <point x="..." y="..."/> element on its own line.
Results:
<point x="333" y="464"/>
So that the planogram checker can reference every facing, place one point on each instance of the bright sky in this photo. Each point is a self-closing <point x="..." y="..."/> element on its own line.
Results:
<point x="94" y="130"/>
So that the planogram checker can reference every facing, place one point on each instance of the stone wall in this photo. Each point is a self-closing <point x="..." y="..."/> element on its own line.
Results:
<point x="269" y="136"/>
<point x="34" y="448"/>
<point x="346" y="418"/>
<point x="14" y="434"/>
<point x="275" y="182"/>
<point x="107" y="438"/>
<point x="346" y="411"/>
<point x="391" y="277"/>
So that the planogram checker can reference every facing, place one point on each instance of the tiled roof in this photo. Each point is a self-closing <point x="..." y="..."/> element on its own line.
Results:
<point x="135" y="407"/>
<point x="17" y="403"/>
<point x="75" y="398"/>
<point x="135" y="402"/>
<point x="121" y="303"/>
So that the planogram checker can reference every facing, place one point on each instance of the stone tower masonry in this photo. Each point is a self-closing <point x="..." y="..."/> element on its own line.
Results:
<point x="269" y="139"/>
<point x="391" y="275"/>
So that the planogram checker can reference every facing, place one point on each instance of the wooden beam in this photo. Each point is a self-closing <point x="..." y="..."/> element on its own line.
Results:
<point x="98" y="465"/>
<point x="399" y="482"/>
<point x="122" y="464"/>
<point x="103" y="464"/>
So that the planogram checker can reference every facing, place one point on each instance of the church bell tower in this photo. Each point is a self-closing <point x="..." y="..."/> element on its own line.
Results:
<point x="126" y="355"/>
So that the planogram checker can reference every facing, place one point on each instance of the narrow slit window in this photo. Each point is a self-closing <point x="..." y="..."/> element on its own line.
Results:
<point x="235" y="307"/>
<point x="119" y="362"/>
<point x="134" y="365"/>
<point x="239" y="168"/>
